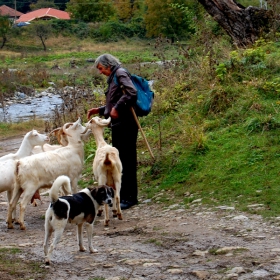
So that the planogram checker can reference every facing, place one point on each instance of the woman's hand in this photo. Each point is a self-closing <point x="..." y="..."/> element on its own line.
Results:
<point x="114" y="113"/>
<point x="92" y="111"/>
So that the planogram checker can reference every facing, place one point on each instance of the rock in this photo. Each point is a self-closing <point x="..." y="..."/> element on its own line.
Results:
<point x="151" y="264"/>
<point x="240" y="217"/>
<point x="201" y="274"/>
<point x="199" y="253"/>
<point x="225" y="208"/>
<point x="226" y="249"/>
<point x="175" y="271"/>
<point x="237" y="270"/>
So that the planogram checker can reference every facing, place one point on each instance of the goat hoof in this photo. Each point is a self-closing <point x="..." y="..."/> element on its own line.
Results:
<point x="22" y="227"/>
<point x="10" y="226"/>
<point x="120" y="216"/>
<point x="92" y="251"/>
<point x="47" y="262"/>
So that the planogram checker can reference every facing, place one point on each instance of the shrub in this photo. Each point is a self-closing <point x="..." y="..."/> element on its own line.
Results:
<point x="115" y="30"/>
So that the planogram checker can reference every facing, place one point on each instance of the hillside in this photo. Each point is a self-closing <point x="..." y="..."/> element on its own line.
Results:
<point x="219" y="138"/>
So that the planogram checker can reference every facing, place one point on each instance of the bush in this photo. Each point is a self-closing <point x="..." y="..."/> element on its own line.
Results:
<point x="115" y="30"/>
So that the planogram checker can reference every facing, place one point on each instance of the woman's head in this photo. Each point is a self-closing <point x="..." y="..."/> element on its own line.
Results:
<point x="105" y="62"/>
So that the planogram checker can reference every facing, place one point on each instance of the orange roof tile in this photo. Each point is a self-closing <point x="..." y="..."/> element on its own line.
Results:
<point x="44" y="12"/>
<point x="7" y="11"/>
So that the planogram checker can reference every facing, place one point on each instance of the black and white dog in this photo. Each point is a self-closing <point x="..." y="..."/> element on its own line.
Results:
<point x="78" y="208"/>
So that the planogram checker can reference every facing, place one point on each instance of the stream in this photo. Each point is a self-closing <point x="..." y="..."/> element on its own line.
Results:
<point x="26" y="109"/>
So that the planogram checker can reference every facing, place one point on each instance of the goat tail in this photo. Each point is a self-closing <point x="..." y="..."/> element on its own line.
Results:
<point x="110" y="159"/>
<point x="61" y="181"/>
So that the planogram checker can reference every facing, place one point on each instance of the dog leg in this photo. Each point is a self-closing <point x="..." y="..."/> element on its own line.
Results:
<point x="48" y="233"/>
<point x="80" y="237"/>
<point x="89" y="228"/>
<point x="99" y="212"/>
<point x="57" y="236"/>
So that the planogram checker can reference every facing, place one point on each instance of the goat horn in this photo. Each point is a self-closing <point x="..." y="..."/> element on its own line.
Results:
<point x="85" y="130"/>
<point x="65" y="126"/>
<point x="54" y="130"/>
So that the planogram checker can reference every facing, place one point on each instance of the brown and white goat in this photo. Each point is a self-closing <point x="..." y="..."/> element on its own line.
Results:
<point x="107" y="166"/>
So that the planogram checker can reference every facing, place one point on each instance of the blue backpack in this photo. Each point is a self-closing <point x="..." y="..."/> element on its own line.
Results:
<point x="145" y="96"/>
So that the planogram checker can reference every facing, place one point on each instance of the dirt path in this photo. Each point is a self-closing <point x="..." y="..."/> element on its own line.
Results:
<point x="153" y="242"/>
<point x="10" y="145"/>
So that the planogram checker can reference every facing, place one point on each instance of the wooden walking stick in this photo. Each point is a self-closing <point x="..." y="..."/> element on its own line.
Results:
<point x="142" y="132"/>
<point x="140" y="128"/>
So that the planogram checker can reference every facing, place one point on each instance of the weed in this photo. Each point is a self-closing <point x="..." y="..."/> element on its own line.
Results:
<point x="154" y="241"/>
<point x="11" y="263"/>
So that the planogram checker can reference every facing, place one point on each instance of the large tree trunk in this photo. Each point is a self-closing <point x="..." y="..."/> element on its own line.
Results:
<point x="243" y="25"/>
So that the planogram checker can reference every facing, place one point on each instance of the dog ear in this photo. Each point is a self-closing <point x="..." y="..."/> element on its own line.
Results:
<point x="94" y="192"/>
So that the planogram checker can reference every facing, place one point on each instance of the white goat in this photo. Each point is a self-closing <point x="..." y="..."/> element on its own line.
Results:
<point x="8" y="163"/>
<point x="40" y="170"/>
<point x="61" y="138"/>
<point x="107" y="167"/>
<point x="30" y="140"/>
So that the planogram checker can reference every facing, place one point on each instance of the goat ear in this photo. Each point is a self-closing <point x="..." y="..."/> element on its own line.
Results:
<point x="103" y="122"/>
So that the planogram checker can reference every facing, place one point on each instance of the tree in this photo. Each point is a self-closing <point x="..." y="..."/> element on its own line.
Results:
<point x="90" y="10"/>
<point x="243" y="25"/>
<point x="5" y="27"/>
<point x="42" y="30"/>
<point x="168" y="18"/>
<point x="43" y="4"/>
<point x="61" y="4"/>
<point x="128" y="9"/>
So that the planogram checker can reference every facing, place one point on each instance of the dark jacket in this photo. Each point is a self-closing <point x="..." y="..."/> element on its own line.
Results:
<point x="115" y="96"/>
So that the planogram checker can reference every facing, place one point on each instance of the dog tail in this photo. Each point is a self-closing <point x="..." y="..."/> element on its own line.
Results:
<point x="61" y="181"/>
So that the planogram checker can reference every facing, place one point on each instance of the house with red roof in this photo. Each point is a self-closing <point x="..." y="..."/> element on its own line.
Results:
<point x="43" y="14"/>
<point x="11" y="13"/>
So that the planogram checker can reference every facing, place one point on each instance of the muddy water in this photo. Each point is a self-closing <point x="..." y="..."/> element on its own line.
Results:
<point x="36" y="107"/>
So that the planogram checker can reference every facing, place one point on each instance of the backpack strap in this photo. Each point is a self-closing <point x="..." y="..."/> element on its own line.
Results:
<point x="115" y="78"/>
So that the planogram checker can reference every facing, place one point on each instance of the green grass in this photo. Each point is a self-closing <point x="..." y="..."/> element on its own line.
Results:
<point x="20" y="128"/>
<point x="12" y="264"/>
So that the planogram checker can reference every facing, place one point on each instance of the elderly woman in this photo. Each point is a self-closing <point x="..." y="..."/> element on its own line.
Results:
<point x="120" y="96"/>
